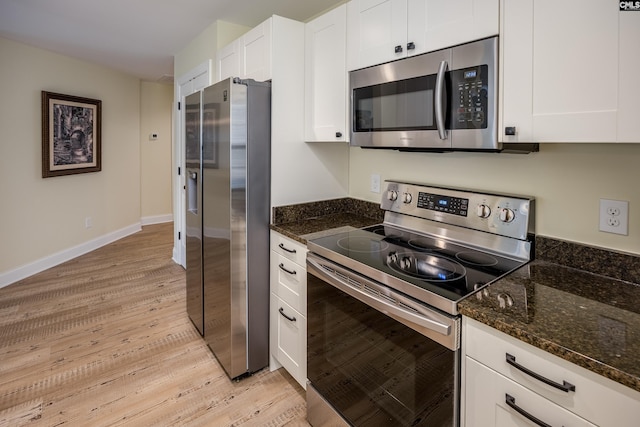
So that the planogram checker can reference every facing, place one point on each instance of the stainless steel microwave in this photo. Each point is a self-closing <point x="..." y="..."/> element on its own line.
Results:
<point x="439" y="101"/>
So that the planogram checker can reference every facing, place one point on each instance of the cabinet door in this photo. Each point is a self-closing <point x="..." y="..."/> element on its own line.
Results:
<point x="437" y="24"/>
<point x="374" y="29"/>
<point x="289" y="339"/>
<point x="289" y="282"/>
<point x="326" y="77"/>
<point x="594" y="398"/>
<point x="256" y="52"/>
<point x="295" y="251"/>
<point x="628" y="87"/>
<point x="572" y="80"/>
<point x="486" y="395"/>
<point x="228" y="61"/>
<point x="516" y="70"/>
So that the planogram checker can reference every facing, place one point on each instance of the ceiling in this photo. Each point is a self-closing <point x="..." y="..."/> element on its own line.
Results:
<point x="137" y="37"/>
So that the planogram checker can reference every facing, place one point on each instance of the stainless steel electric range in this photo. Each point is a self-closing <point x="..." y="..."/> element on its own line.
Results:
<point x="383" y="329"/>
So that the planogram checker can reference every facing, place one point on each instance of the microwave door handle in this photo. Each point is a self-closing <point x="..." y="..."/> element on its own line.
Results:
<point x="439" y="101"/>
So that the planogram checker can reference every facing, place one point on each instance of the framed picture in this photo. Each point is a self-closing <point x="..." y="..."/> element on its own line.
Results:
<point x="71" y="133"/>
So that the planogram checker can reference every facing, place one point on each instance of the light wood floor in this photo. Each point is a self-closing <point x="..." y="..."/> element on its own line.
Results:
<point x="104" y="340"/>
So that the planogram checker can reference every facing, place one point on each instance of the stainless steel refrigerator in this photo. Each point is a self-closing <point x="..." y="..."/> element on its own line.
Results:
<point x="228" y="152"/>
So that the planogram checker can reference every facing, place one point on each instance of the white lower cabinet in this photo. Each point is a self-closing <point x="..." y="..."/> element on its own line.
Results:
<point x="289" y="339"/>
<point x="288" y="307"/>
<point x="500" y="387"/>
<point x="490" y="394"/>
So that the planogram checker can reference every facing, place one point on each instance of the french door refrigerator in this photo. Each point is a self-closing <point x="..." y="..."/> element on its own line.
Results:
<point x="228" y="151"/>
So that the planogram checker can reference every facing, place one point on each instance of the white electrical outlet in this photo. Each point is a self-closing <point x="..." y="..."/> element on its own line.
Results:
<point x="614" y="216"/>
<point x="88" y="222"/>
<point x="375" y="183"/>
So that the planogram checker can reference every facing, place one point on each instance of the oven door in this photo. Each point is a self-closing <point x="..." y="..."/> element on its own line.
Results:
<point x="366" y="359"/>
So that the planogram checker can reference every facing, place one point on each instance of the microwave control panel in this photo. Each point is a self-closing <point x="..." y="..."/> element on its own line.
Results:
<point x="469" y="89"/>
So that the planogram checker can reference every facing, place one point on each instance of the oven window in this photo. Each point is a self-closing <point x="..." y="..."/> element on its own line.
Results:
<point x="372" y="369"/>
<point x="398" y="105"/>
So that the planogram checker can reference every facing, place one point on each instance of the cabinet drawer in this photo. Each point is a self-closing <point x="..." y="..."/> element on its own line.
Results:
<point x="289" y="282"/>
<point x="288" y="248"/>
<point x="595" y="398"/>
<point x="289" y="339"/>
<point x="488" y="399"/>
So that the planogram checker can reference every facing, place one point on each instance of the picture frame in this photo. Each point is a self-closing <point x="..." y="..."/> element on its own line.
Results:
<point x="71" y="134"/>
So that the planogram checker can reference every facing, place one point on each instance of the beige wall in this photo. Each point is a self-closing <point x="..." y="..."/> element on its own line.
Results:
<point x="567" y="181"/>
<point x="156" y="101"/>
<point x="40" y="217"/>
<point x="205" y="46"/>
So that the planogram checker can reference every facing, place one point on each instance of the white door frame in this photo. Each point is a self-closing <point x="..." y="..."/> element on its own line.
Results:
<point x="190" y="82"/>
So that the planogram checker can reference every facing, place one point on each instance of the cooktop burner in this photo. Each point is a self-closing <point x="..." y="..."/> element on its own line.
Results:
<point x="449" y="269"/>
<point x="361" y="244"/>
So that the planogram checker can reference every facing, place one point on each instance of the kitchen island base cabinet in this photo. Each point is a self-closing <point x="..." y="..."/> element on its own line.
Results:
<point x="288" y="307"/>
<point x="496" y="393"/>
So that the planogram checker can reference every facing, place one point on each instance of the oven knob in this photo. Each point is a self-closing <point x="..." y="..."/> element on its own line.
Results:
<point x="406" y="198"/>
<point x="507" y="215"/>
<point x="483" y="211"/>
<point x="405" y="263"/>
<point x="392" y="195"/>
<point x="505" y="300"/>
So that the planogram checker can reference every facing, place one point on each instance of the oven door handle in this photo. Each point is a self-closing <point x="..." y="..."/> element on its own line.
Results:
<point x="356" y="288"/>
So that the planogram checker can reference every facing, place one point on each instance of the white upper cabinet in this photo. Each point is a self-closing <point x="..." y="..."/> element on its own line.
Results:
<point x="437" y="24"/>
<point x="228" y="61"/>
<point x="628" y="87"/>
<point x="326" y="100"/>
<point x="567" y="71"/>
<point x="255" y="52"/>
<point x="375" y="30"/>
<point x="248" y="57"/>
<point x="384" y="30"/>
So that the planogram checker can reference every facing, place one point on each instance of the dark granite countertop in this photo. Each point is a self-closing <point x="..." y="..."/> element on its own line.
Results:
<point x="299" y="221"/>
<point x="574" y="301"/>
<point x="583" y="315"/>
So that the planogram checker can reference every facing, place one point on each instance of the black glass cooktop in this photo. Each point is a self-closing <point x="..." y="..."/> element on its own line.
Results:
<point x="430" y="264"/>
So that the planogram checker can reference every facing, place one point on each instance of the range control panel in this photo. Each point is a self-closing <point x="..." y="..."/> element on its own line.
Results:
<point x="436" y="202"/>
<point x="503" y="214"/>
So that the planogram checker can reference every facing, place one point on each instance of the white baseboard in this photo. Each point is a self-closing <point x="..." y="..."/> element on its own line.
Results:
<point x="65" y="255"/>
<point x="156" y="219"/>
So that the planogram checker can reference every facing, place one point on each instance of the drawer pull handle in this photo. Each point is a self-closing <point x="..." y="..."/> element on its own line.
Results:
<point x="511" y="402"/>
<point x="565" y="386"/>
<point x="291" y="272"/>
<point x="290" y="319"/>
<point x="291" y="251"/>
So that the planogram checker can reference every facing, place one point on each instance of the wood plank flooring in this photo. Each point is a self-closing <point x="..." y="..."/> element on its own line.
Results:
<point x="104" y="340"/>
